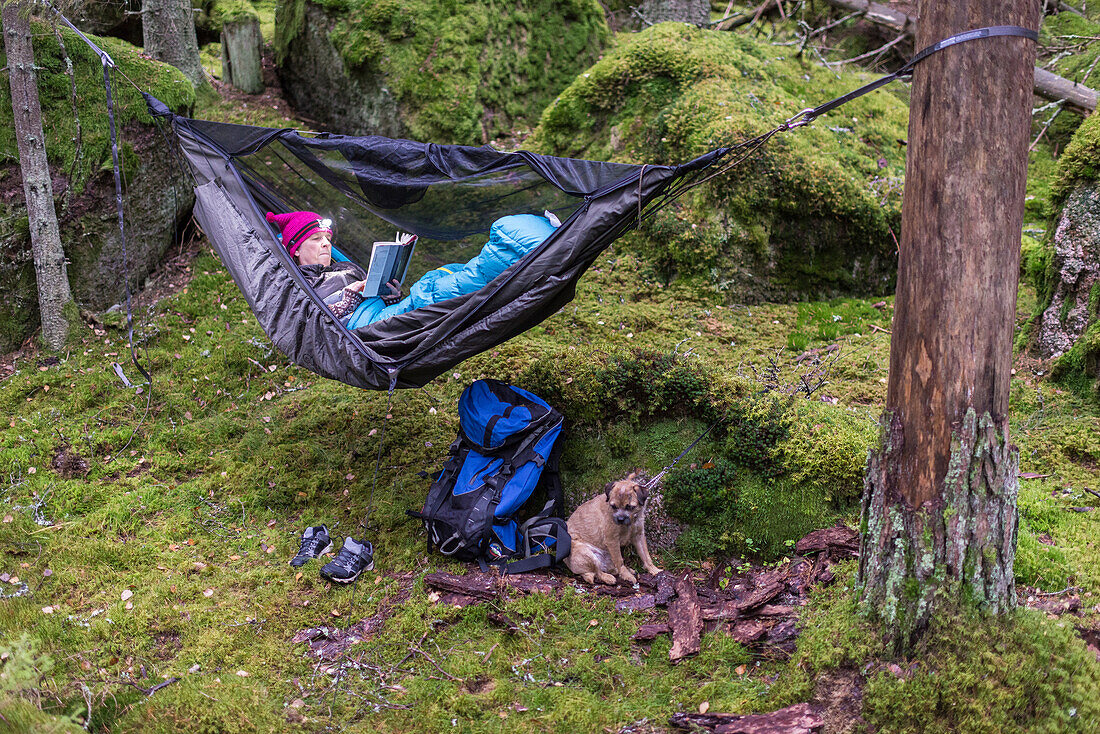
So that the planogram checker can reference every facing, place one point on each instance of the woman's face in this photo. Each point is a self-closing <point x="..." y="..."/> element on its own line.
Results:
<point x="316" y="249"/>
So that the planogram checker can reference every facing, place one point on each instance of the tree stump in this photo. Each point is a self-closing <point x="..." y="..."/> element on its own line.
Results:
<point x="242" y="54"/>
<point x="962" y="544"/>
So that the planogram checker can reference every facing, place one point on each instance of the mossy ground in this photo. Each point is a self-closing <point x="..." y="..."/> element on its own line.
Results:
<point x="196" y="489"/>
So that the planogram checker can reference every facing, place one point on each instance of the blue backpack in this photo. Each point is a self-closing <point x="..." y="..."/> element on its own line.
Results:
<point x="477" y="507"/>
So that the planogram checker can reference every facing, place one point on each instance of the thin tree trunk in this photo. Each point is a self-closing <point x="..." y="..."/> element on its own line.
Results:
<point x="939" y="507"/>
<point x="168" y="35"/>
<point x="54" y="296"/>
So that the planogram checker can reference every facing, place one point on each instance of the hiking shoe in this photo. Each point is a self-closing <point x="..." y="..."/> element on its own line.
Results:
<point x="315" y="542"/>
<point x="352" y="559"/>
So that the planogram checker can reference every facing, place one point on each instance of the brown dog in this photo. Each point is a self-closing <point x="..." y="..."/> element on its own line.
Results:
<point x="602" y="526"/>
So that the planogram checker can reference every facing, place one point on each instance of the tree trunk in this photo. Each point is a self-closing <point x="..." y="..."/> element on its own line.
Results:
<point x="168" y="32"/>
<point x="54" y="296"/>
<point x="939" y="507"/>
<point x="242" y="52"/>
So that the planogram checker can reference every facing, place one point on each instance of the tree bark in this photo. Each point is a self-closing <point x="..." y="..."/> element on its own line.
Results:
<point x="1048" y="85"/>
<point x="54" y="296"/>
<point x="242" y="52"/>
<point x="939" y="508"/>
<point x="168" y="33"/>
<point x="696" y="12"/>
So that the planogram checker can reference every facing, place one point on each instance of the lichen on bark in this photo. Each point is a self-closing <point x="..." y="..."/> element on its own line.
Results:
<point x="958" y="548"/>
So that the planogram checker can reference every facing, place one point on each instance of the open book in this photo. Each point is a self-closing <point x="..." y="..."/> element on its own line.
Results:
<point x="388" y="261"/>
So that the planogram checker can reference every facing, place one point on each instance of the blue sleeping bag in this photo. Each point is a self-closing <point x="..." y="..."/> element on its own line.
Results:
<point x="510" y="238"/>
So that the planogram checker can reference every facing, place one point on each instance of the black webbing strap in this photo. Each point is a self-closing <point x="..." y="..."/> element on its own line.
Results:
<point x="108" y="64"/>
<point x="807" y="115"/>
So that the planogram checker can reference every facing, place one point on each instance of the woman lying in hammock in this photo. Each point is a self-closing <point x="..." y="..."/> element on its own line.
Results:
<point x="308" y="239"/>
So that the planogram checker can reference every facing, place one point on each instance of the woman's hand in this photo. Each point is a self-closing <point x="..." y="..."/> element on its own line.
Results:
<point x="395" y="292"/>
<point x="357" y="286"/>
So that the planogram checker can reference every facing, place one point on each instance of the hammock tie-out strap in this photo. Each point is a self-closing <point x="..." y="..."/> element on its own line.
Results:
<point x="747" y="147"/>
<point x="806" y="116"/>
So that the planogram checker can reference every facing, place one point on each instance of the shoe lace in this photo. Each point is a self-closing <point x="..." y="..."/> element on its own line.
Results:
<point x="311" y="545"/>
<point x="346" y="559"/>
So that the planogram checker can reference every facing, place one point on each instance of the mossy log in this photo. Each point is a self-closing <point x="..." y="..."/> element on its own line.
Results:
<point x="242" y="54"/>
<point x="963" y="542"/>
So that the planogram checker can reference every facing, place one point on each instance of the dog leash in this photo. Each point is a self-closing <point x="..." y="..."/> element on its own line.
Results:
<point x="653" y="482"/>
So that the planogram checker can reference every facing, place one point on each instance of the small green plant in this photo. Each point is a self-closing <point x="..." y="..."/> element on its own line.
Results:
<point x="696" y="495"/>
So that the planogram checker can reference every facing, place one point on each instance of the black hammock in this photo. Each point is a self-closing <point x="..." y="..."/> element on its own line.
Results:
<point x="449" y="195"/>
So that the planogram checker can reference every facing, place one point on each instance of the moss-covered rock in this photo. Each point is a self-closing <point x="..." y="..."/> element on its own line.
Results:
<point x="433" y="70"/>
<point x="810" y="215"/>
<point x="156" y="193"/>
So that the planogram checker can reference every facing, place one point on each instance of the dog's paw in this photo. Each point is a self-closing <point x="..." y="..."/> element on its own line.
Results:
<point x="627" y="575"/>
<point x="607" y="579"/>
<point x="653" y="570"/>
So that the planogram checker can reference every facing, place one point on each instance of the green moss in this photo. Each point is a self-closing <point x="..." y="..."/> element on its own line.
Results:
<point x="212" y="15"/>
<point x="810" y="214"/>
<point x="461" y="72"/>
<point x="1079" y="162"/>
<point x="971" y="673"/>
<point x="782" y="468"/>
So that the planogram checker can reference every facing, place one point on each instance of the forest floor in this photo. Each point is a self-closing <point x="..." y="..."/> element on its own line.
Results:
<point x="145" y="532"/>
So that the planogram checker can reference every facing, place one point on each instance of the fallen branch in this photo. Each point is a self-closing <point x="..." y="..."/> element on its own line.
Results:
<point x="1048" y="85"/>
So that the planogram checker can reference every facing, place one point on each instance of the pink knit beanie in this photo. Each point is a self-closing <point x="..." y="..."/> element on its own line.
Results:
<point x="297" y="226"/>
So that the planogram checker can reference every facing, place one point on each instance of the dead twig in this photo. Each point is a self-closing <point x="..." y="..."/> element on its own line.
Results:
<point x="154" y="689"/>
<point x="431" y="660"/>
<point x="870" y="54"/>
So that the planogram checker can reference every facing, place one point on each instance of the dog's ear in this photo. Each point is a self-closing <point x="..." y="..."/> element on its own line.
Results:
<point x="632" y="475"/>
<point x="607" y="490"/>
<point x="643" y="493"/>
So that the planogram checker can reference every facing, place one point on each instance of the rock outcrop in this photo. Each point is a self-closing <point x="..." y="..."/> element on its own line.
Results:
<point x="465" y="72"/>
<point x="156" y="191"/>
<point x="813" y="214"/>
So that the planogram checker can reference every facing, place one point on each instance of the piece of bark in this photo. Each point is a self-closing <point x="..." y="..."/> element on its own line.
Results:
<point x="649" y="631"/>
<point x="665" y="589"/>
<point x="1048" y="85"/>
<point x="725" y="610"/>
<point x="481" y="586"/>
<point x="774" y="610"/>
<point x="635" y="603"/>
<point x="533" y="583"/>
<point x="619" y="590"/>
<point x="456" y="600"/>
<point x="839" y="541"/>
<point x="783" y="632"/>
<point x="685" y="619"/>
<point x="748" y="630"/>
<point x="798" y="719"/>
<point x="768" y="586"/>
<point x="489" y="586"/>
<point x="801" y="577"/>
